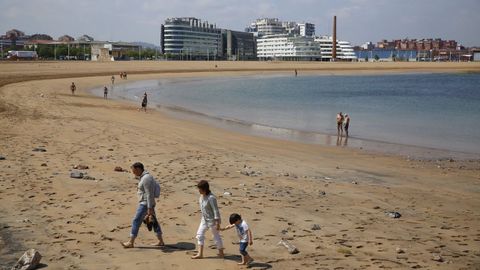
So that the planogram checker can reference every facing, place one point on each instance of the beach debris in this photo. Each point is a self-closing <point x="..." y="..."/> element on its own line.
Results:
<point x="315" y="227"/>
<point x="290" y="247"/>
<point x="437" y="258"/>
<point x="248" y="171"/>
<point x="2" y="158"/>
<point x="399" y="250"/>
<point x="29" y="260"/>
<point x="226" y="193"/>
<point x="119" y="169"/>
<point x="39" y="149"/>
<point x="25" y="220"/>
<point x="80" y="167"/>
<point x="393" y="214"/>
<point x="327" y="178"/>
<point x="322" y="193"/>
<point x="44" y="165"/>
<point x="78" y="175"/>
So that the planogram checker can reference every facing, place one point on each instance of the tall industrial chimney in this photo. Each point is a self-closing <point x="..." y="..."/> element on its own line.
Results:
<point x="334" y="48"/>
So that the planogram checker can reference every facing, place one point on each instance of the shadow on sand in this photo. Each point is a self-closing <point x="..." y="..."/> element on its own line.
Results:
<point x="254" y="264"/>
<point x="169" y="248"/>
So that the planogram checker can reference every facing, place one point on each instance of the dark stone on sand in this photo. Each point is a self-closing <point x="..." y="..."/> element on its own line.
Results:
<point x="315" y="227"/>
<point x="118" y="169"/>
<point x="78" y="175"/>
<point x="29" y="260"/>
<point x="86" y="177"/>
<point x="39" y="149"/>
<point x="393" y="214"/>
<point x="44" y="165"/>
<point x="2" y="158"/>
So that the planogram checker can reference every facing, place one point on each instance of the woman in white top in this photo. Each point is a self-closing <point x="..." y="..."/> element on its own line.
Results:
<point x="210" y="219"/>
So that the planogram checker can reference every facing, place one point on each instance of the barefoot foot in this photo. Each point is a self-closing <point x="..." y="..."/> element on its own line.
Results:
<point x="198" y="256"/>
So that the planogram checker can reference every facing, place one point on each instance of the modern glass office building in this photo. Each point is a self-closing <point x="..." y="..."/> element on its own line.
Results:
<point x="189" y="38"/>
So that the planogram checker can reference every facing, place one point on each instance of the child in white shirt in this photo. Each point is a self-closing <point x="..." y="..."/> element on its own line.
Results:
<point x="245" y="235"/>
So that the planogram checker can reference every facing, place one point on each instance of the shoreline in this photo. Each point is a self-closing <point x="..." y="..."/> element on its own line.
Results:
<point x="409" y="151"/>
<point x="78" y="224"/>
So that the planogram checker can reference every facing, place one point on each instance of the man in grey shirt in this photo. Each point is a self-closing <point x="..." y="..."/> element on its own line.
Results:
<point x="146" y="207"/>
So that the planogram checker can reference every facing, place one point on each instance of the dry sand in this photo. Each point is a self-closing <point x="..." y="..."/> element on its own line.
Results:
<point x="78" y="224"/>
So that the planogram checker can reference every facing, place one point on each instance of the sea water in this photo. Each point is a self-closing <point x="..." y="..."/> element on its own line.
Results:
<point x="439" y="111"/>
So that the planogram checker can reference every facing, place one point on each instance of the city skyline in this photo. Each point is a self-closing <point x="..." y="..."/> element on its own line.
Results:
<point x="359" y="21"/>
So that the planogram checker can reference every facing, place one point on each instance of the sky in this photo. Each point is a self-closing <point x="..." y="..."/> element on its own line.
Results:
<point x="358" y="21"/>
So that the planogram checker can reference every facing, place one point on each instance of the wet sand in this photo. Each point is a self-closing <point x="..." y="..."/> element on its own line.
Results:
<point x="78" y="224"/>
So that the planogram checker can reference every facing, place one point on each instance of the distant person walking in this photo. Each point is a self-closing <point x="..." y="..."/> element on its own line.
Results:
<point x="346" y="124"/>
<point x="144" y="102"/>
<point x="210" y="219"/>
<point x="146" y="191"/>
<point x="296" y="73"/>
<point x="73" y="88"/>
<point x="113" y="79"/>
<point x="340" y="119"/>
<point x="105" y="92"/>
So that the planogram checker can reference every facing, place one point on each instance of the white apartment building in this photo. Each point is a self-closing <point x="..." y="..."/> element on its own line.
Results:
<point x="307" y="29"/>
<point x="345" y="51"/>
<point x="300" y="48"/>
<point x="266" y="26"/>
<point x="287" y="47"/>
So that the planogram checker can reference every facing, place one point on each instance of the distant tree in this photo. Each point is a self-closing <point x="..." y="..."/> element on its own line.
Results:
<point x="45" y="51"/>
<point x="40" y="37"/>
<point x="66" y="38"/>
<point x="376" y="57"/>
<point x="13" y="36"/>
<point x="86" y="38"/>
<point x="62" y="50"/>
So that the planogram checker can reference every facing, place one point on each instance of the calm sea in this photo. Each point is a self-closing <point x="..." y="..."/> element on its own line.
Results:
<point x="432" y="111"/>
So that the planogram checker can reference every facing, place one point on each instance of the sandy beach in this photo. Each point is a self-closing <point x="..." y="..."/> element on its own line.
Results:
<point x="79" y="223"/>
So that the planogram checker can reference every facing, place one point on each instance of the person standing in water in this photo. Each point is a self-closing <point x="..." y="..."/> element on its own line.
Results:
<point x="73" y="88"/>
<point x="113" y="79"/>
<point x="144" y="102"/>
<point x="346" y="124"/>
<point x="340" y="124"/>
<point x="105" y="92"/>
